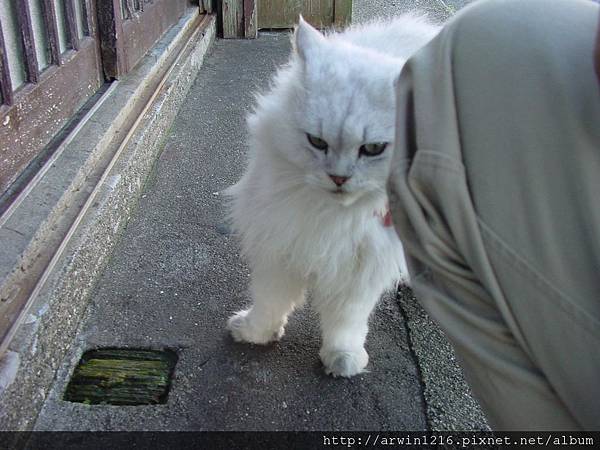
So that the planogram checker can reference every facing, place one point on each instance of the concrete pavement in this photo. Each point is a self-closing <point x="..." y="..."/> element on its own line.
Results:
<point x="439" y="10"/>
<point x="177" y="275"/>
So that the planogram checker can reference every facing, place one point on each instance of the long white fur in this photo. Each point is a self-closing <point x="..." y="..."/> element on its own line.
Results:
<point x="295" y="231"/>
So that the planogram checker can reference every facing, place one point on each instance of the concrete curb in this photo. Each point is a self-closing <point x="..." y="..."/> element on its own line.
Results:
<point x="449" y="403"/>
<point x="43" y="339"/>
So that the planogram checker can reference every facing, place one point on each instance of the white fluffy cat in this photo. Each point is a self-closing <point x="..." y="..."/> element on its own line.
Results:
<point x="311" y="208"/>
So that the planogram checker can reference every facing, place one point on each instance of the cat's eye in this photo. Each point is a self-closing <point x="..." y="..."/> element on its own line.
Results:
<point x="373" y="149"/>
<point x="317" y="142"/>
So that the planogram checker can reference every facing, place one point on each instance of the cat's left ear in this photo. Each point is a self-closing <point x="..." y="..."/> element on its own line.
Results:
<point x="307" y="39"/>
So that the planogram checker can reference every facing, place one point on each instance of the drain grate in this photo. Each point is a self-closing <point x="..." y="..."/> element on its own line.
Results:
<point x="122" y="377"/>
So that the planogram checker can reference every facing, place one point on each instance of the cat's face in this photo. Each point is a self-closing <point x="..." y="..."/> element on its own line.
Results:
<point x="344" y="115"/>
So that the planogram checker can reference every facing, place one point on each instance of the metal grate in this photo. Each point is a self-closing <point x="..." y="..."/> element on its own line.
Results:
<point x="34" y="34"/>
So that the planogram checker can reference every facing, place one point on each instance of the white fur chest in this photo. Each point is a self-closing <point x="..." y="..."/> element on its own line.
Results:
<point x="320" y="240"/>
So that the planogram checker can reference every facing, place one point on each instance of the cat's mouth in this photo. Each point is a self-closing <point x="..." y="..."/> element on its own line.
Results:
<point x="339" y="191"/>
<point x="343" y="196"/>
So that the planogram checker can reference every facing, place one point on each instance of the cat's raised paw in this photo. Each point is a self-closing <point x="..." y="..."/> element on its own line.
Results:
<point x="243" y="329"/>
<point x="344" y="363"/>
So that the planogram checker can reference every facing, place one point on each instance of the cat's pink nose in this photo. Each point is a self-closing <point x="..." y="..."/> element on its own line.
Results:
<point x="338" y="180"/>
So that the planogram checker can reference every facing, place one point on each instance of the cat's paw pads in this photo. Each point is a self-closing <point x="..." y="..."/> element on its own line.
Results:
<point x="243" y="330"/>
<point x="344" y="364"/>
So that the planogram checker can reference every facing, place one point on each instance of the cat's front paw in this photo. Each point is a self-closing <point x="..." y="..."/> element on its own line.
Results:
<point x="344" y="363"/>
<point x="243" y="329"/>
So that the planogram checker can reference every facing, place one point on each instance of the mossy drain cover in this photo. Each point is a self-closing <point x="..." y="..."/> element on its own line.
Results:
<point x="122" y="377"/>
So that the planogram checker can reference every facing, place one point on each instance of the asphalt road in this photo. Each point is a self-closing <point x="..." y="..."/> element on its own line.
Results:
<point x="177" y="275"/>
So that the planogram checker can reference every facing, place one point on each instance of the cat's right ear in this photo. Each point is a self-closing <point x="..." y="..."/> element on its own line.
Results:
<point x="307" y="39"/>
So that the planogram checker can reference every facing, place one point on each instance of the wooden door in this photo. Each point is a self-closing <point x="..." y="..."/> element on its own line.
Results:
<point x="131" y="27"/>
<point x="320" y="13"/>
<point x="54" y="56"/>
<point x="49" y="66"/>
